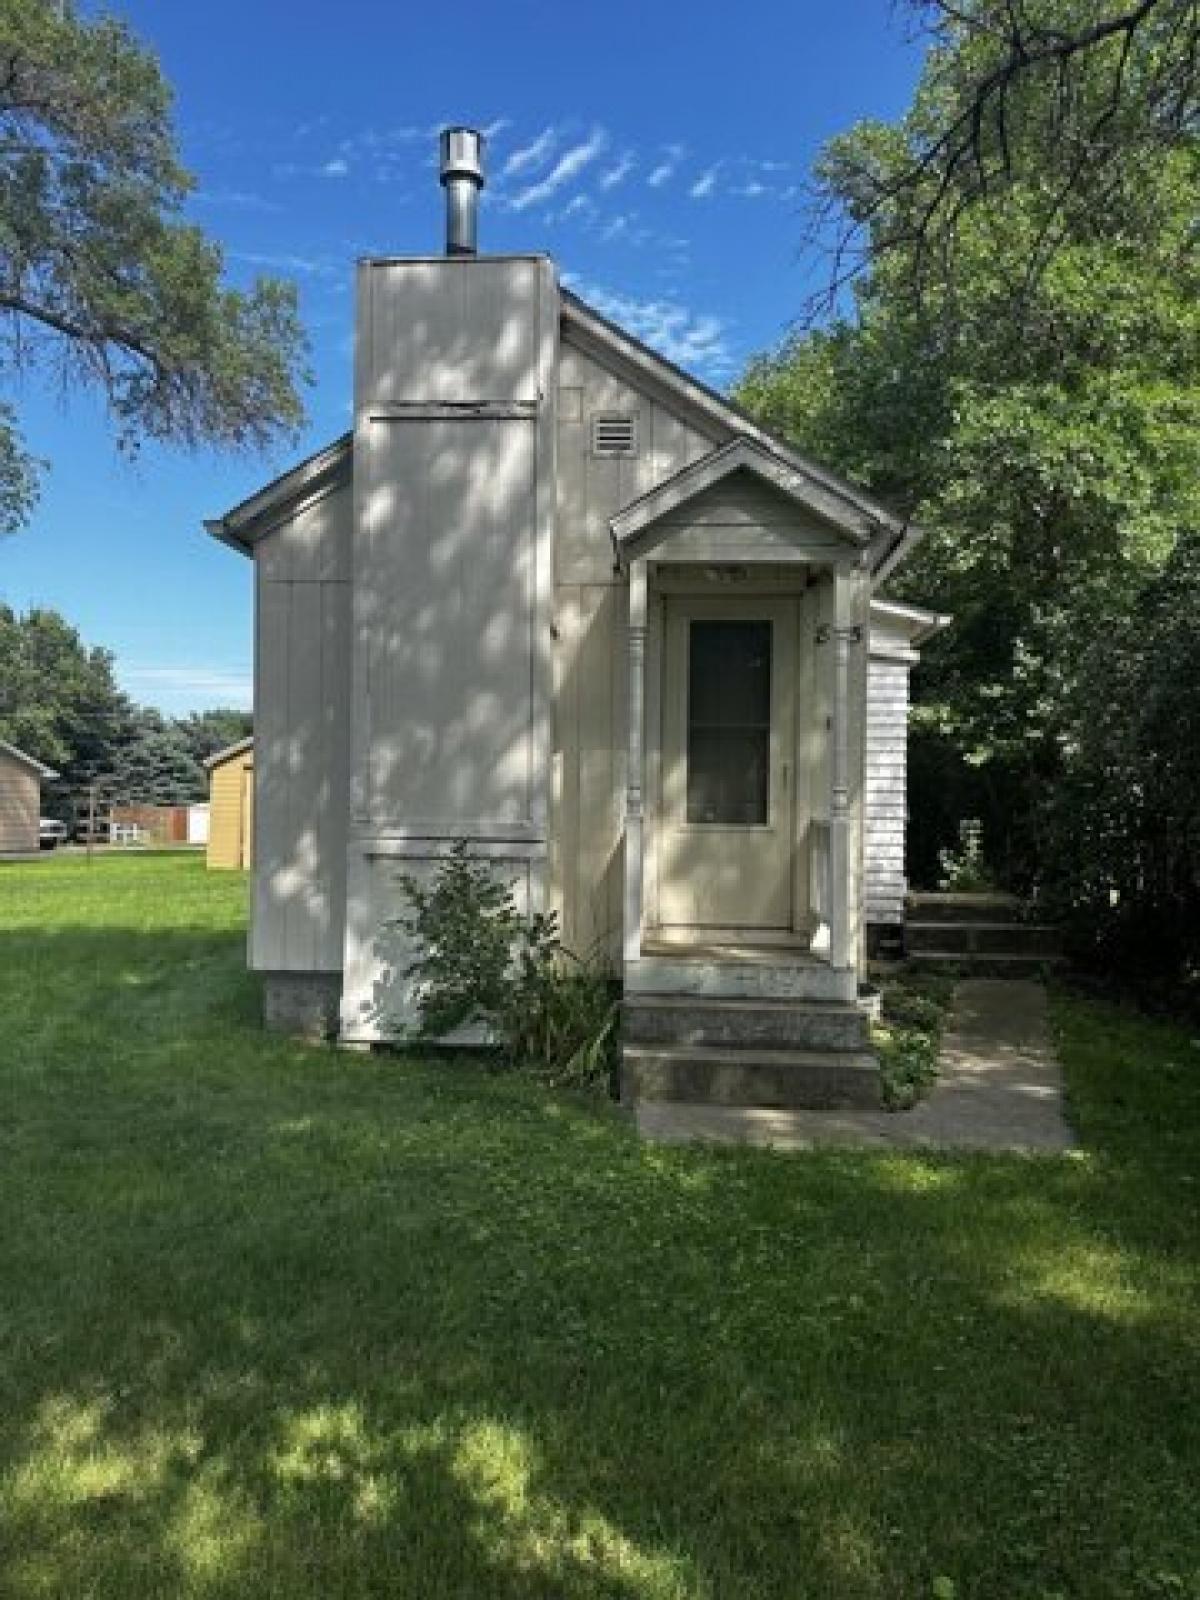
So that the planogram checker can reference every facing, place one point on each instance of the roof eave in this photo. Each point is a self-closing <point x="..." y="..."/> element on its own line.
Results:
<point x="40" y="767"/>
<point x="739" y="454"/>
<point x="235" y="749"/>
<point x="251" y="518"/>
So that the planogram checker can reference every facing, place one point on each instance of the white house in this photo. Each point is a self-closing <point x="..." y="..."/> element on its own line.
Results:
<point x="556" y="597"/>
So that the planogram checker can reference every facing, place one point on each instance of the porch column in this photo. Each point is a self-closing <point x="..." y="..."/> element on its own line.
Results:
<point x="632" y="934"/>
<point x="843" y="634"/>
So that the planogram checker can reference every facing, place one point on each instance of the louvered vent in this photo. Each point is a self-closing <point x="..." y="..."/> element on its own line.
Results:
<point x="614" y="436"/>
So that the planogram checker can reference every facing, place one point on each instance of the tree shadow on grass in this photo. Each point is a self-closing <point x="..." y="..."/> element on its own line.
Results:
<point x="282" y="1321"/>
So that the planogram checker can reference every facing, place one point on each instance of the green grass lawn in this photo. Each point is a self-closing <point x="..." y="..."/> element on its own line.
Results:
<point x="277" y="1321"/>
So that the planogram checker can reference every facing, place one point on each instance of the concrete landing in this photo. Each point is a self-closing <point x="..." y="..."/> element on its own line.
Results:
<point x="1000" y="1088"/>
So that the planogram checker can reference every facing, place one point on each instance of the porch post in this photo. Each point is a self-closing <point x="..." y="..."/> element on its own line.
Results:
<point x="840" y="953"/>
<point x="632" y="932"/>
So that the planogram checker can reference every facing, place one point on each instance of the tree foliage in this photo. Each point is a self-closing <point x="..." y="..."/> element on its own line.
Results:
<point x="1069" y="102"/>
<point x="60" y="702"/>
<point x="155" y="765"/>
<point x="1044" y="429"/>
<point x="102" y="282"/>
<point x="206" y="732"/>
<point x="59" y="699"/>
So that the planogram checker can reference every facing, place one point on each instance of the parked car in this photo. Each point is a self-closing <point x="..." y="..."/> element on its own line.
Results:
<point x="51" y="833"/>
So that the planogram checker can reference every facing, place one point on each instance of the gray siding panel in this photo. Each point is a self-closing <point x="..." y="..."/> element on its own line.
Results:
<point x="302" y="649"/>
<point x="886" y="818"/>
<point x="454" y="451"/>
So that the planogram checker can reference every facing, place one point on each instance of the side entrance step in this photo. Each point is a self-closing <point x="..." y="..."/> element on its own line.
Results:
<point x="738" y="1051"/>
<point x="987" y="935"/>
<point x="711" y="1075"/>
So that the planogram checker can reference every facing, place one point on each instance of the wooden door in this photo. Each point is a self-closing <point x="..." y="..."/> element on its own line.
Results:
<point x="728" y="761"/>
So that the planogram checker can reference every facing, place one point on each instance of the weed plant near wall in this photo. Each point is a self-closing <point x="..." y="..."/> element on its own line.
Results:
<point x="481" y="962"/>
<point x="908" y="1035"/>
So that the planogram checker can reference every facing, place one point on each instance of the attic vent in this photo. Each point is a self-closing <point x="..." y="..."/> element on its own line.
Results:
<point x="614" y="436"/>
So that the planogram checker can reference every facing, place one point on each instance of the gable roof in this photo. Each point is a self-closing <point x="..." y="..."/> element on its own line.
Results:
<point x="741" y="455"/>
<point x="39" y="767"/>
<point x="893" y="536"/>
<point x="595" y="333"/>
<point x="219" y="757"/>
<point x="261" y="511"/>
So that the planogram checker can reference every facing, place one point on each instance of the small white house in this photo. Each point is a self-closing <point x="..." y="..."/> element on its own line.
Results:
<point x="556" y="597"/>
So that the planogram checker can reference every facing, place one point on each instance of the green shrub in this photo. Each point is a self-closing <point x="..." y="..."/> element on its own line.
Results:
<point x="908" y="1035"/>
<point x="480" y="961"/>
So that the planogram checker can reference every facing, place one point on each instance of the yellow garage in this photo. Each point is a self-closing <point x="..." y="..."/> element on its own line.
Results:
<point x="231" y="806"/>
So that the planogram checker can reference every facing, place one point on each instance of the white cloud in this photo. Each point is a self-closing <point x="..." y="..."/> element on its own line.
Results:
<point x="292" y="265"/>
<point x="175" y="689"/>
<point x="618" y="172"/>
<point x="530" y="155"/>
<point x="672" y="155"/>
<point x="235" y="200"/>
<point x="704" y="184"/>
<point x="337" y="168"/>
<point x="569" y="165"/>
<point x="698" y="341"/>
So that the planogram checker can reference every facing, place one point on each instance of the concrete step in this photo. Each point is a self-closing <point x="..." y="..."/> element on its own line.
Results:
<point x="745" y="971"/>
<point x="743" y="1023"/>
<point x="992" y="908"/>
<point x="994" y="965"/>
<point x="984" y="938"/>
<point x="716" y="1076"/>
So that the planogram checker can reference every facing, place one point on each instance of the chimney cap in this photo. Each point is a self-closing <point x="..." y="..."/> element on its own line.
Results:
<point x="462" y="155"/>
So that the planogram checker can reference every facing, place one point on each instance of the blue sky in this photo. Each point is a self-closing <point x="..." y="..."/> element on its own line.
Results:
<point x="655" y="149"/>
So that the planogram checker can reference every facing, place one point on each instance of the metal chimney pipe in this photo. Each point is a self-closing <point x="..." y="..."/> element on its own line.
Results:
<point x="462" y="179"/>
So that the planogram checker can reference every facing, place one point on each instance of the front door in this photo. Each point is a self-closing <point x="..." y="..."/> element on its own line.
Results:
<point x="726" y="813"/>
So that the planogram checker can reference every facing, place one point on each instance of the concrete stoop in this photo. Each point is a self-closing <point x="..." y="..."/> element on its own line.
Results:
<point x="739" y="1052"/>
<point x="995" y="935"/>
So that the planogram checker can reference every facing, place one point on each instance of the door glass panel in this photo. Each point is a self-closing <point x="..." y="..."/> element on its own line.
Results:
<point x="728" y="722"/>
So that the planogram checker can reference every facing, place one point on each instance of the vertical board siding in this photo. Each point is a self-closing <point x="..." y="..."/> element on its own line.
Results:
<point x="887" y="805"/>
<point x="591" y="490"/>
<point x="591" y="654"/>
<point x="228" y="820"/>
<point x="589" y="744"/>
<point x="446" y="603"/>
<point x="20" y="805"/>
<point x="299" y="806"/>
<point x="454" y="453"/>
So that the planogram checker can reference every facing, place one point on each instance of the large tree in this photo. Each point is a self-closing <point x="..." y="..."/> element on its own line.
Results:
<point x="1068" y="101"/>
<point x="59" y="699"/>
<point x="156" y="766"/>
<point x="102" y="281"/>
<point x="1044" y="428"/>
<point x="207" y="732"/>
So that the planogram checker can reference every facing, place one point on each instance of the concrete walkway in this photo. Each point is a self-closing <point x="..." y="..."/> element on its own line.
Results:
<point x="1000" y="1088"/>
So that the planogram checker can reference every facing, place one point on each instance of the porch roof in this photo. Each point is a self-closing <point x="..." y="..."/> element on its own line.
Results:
<point x="811" y="497"/>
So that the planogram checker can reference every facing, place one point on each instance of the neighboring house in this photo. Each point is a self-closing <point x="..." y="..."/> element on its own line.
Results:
<point x="21" y="779"/>
<point x="231" y="806"/>
<point x="558" y="598"/>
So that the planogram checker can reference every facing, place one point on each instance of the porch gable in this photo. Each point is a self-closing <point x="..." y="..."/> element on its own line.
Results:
<point x="740" y="502"/>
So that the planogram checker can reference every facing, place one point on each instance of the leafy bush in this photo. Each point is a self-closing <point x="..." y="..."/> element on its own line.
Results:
<point x="481" y="961"/>
<point x="908" y="1035"/>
